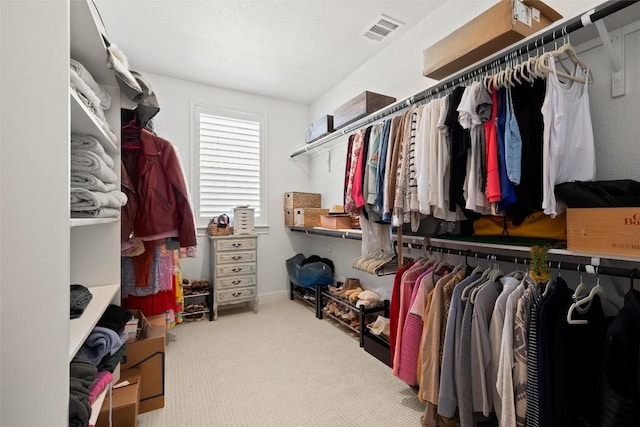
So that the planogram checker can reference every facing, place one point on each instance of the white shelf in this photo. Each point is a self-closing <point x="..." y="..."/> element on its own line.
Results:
<point x="87" y="44"/>
<point x="85" y="122"/>
<point x="80" y="328"/>
<point x="97" y="406"/>
<point x="81" y="222"/>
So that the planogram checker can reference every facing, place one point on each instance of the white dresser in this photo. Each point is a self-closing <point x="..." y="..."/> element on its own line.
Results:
<point x="234" y="269"/>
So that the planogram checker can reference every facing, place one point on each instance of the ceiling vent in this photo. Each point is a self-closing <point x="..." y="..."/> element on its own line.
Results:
<point x="382" y="28"/>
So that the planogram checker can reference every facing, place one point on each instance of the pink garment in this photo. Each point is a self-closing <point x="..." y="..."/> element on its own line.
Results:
<point x="406" y="291"/>
<point x="358" y="176"/>
<point x="412" y="331"/>
<point x="493" y="192"/>
<point x="102" y="381"/>
<point x="350" y="204"/>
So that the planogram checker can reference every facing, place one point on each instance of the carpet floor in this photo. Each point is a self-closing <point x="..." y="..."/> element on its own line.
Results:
<point x="278" y="367"/>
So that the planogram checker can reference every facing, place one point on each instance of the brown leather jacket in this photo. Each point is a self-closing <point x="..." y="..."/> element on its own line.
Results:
<point x="158" y="200"/>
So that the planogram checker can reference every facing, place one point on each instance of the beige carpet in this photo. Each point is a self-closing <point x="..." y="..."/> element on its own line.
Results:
<point x="279" y="367"/>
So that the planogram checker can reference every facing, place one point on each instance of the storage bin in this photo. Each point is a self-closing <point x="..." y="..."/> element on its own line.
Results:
<point x="335" y="221"/>
<point x="359" y="107"/>
<point x="606" y="231"/>
<point x="294" y="199"/>
<point x="308" y="217"/>
<point x="502" y="25"/>
<point x="288" y="217"/>
<point x="319" y="128"/>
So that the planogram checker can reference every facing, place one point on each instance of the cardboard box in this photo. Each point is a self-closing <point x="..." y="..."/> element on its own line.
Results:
<point x="502" y="25"/>
<point x="335" y="221"/>
<point x="125" y="402"/>
<point x="148" y="354"/>
<point x="606" y="231"/>
<point x="295" y="199"/>
<point x="136" y="326"/>
<point x="319" y="128"/>
<point x="308" y="217"/>
<point x="359" y="107"/>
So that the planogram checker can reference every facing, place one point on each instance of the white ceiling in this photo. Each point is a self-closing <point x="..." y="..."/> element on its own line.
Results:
<point x="288" y="49"/>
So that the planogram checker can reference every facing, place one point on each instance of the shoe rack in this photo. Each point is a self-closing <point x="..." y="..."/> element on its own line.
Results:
<point x="308" y="295"/>
<point x="354" y="317"/>
<point x="197" y="301"/>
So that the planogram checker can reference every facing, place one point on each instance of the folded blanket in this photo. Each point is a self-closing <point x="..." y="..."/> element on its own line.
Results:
<point x="90" y="143"/>
<point x="90" y="182"/>
<point x="87" y="161"/>
<point x="100" y="342"/>
<point x="80" y="297"/>
<point x="97" y="213"/>
<point x="82" y="88"/>
<point x="87" y="200"/>
<point x="83" y="73"/>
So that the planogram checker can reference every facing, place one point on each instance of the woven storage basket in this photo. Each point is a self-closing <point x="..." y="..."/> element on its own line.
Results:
<point x="294" y="200"/>
<point x="215" y="229"/>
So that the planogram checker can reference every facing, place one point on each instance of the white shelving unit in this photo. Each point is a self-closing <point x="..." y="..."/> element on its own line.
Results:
<point x="43" y="250"/>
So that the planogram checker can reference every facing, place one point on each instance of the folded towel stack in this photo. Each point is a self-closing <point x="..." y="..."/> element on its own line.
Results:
<point x="85" y="76"/>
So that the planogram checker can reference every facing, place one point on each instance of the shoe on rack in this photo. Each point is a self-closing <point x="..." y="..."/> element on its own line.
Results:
<point x="333" y="290"/>
<point x="353" y="296"/>
<point x="350" y="283"/>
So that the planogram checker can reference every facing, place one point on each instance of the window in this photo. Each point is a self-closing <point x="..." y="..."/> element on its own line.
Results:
<point x="230" y="152"/>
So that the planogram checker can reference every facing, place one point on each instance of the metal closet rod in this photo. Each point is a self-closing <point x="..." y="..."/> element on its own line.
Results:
<point x="629" y="273"/>
<point x="558" y="31"/>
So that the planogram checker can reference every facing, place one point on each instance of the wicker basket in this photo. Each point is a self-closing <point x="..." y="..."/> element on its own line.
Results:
<point x="294" y="200"/>
<point x="214" y="230"/>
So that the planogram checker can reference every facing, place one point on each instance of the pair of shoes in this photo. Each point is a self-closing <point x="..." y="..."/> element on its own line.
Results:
<point x="350" y="283"/>
<point x="333" y="290"/>
<point x="352" y="295"/>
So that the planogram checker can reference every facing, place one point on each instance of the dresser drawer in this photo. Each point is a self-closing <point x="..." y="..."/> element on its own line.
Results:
<point x="235" y="282"/>
<point x="235" y="269"/>
<point x="235" y="294"/>
<point x="235" y="244"/>
<point x="227" y="257"/>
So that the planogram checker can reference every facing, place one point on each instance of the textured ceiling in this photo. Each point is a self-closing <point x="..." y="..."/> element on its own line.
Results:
<point x="288" y="49"/>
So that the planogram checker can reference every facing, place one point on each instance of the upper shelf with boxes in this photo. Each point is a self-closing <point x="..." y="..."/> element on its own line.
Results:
<point x="304" y="210"/>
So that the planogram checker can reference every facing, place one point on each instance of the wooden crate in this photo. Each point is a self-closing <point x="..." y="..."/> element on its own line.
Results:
<point x="294" y="200"/>
<point x="486" y="34"/>
<point x="335" y="222"/>
<point x="607" y="231"/>
<point x="288" y="217"/>
<point x="319" y="128"/>
<point x="359" y="107"/>
<point x="308" y="217"/>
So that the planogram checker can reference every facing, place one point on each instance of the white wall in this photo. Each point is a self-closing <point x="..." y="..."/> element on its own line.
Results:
<point x="397" y="71"/>
<point x="286" y="122"/>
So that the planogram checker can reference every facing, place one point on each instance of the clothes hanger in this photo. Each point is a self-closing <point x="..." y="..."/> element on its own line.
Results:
<point x="130" y="133"/>
<point x="581" y="288"/>
<point x="547" y="287"/>
<point x="596" y="290"/>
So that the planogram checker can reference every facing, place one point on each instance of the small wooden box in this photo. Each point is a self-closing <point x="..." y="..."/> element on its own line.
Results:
<point x="607" y="231"/>
<point x="319" y="128"/>
<point x="288" y="217"/>
<point x="335" y="221"/>
<point x="502" y="25"/>
<point x="359" y="107"/>
<point x="308" y="217"/>
<point x="294" y="200"/>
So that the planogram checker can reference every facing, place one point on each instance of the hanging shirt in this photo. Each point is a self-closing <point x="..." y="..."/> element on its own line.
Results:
<point x="356" y="146"/>
<point x="506" y="187"/>
<point x="382" y="165"/>
<point x="493" y="171"/>
<point x="422" y="157"/>
<point x="569" y="152"/>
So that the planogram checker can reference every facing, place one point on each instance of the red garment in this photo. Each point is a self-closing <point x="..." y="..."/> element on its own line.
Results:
<point x="153" y="304"/>
<point x="394" y="308"/>
<point x="491" y="136"/>
<point x="158" y="200"/>
<point x="358" y="177"/>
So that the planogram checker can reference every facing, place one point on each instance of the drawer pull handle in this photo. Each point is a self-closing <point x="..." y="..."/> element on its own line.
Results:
<point x="235" y="282"/>
<point x="236" y="294"/>
<point x="236" y="245"/>
<point x="236" y="269"/>
<point x="236" y="257"/>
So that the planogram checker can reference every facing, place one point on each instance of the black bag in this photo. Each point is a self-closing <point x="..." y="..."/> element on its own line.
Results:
<point x="599" y="194"/>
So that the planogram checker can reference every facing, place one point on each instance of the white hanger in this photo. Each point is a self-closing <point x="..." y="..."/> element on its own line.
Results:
<point x="596" y="290"/>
